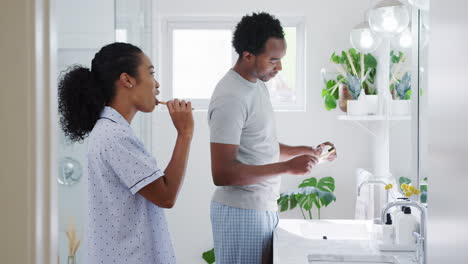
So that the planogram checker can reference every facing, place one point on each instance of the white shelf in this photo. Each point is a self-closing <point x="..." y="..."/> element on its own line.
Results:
<point x="372" y="118"/>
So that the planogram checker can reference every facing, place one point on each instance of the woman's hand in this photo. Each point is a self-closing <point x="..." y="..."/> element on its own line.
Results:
<point x="181" y="115"/>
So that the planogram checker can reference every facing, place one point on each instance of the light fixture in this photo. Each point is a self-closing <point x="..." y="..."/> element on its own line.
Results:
<point x="404" y="40"/>
<point x="388" y="18"/>
<point x="421" y="4"/>
<point x="363" y="39"/>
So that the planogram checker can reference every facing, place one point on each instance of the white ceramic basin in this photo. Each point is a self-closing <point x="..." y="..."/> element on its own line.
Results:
<point x="331" y="229"/>
<point x="342" y="236"/>
<point x="348" y="242"/>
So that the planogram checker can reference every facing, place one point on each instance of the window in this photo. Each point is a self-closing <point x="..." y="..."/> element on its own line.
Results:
<point x="198" y="52"/>
<point x="200" y="59"/>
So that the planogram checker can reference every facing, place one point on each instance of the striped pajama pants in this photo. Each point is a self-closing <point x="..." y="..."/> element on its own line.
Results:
<point x="242" y="236"/>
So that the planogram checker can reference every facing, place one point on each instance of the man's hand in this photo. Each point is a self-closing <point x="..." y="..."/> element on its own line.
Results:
<point x="301" y="165"/>
<point x="318" y="151"/>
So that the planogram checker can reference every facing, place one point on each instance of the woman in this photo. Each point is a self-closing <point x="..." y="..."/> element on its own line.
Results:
<point x="127" y="190"/>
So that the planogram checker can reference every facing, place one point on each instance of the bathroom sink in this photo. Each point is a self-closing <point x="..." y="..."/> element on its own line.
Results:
<point x="342" y="235"/>
<point x="333" y="231"/>
<point x="328" y="229"/>
<point x="332" y="242"/>
<point x="351" y="259"/>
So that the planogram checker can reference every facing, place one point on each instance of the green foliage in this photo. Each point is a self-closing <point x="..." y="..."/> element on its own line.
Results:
<point x="354" y="86"/>
<point x="364" y="76"/>
<point x="309" y="193"/>
<point x="209" y="256"/>
<point x="403" y="87"/>
<point x="401" y="84"/>
<point x="397" y="57"/>
<point x="330" y="94"/>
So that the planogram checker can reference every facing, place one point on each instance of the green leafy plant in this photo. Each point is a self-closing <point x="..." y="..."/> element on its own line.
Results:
<point x="357" y="70"/>
<point x="397" y="57"/>
<point x="403" y="87"/>
<point x="209" y="256"/>
<point x="400" y="81"/>
<point x="309" y="193"/>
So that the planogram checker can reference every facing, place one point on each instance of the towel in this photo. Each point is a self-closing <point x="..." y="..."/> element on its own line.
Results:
<point x="365" y="201"/>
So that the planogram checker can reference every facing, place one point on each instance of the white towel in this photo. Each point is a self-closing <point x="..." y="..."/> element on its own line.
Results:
<point x="365" y="201"/>
<point x="373" y="197"/>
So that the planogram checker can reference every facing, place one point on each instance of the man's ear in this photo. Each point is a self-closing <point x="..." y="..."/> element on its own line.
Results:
<point x="127" y="80"/>
<point x="247" y="56"/>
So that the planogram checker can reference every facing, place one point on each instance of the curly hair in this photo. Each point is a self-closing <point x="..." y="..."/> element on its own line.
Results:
<point x="83" y="92"/>
<point x="253" y="31"/>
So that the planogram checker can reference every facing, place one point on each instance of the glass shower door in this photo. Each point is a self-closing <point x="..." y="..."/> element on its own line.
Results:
<point x="83" y="28"/>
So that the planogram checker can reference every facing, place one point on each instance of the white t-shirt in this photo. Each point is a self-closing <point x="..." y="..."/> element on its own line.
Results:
<point x="240" y="113"/>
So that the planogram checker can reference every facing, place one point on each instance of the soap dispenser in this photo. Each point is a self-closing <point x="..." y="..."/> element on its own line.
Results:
<point x="399" y="213"/>
<point x="396" y="216"/>
<point x="388" y="234"/>
<point x="406" y="225"/>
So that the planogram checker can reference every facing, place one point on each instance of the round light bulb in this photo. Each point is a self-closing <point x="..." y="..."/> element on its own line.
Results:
<point x="363" y="39"/>
<point x="389" y="18"/>
<point x="405" y="39"/>
<point x="389" y="24"/>
<point x="366" y="40"/>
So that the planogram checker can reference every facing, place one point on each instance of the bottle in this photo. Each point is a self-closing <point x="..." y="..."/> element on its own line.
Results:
<point x="400" y="213"/>
<point x="388" y="233"/>
<point x="406" y="225"/>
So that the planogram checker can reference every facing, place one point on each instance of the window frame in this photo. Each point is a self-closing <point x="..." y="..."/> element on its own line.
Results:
<point x="170" y="23"/>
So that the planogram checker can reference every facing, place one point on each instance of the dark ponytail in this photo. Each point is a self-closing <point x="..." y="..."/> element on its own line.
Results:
<point x="83" y="93"/>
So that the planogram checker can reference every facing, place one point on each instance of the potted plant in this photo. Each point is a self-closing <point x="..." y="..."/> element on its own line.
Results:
<point x="356" y="72"/>
<point x="309" y="193"/>
<point x="400" y="85"/>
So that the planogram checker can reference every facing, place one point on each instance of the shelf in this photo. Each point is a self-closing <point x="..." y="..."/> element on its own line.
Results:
<point x="367" y="122"/>
<point x="372" y="118"/>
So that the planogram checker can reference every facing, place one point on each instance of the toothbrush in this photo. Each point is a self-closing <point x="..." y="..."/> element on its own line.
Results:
<point x="165" y="103"/>
<point x="324" y="156"/>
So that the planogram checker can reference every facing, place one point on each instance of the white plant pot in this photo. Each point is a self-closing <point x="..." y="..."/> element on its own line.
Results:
<point x="357" y="107"/>
<point x="372" y="104"/>
<point x="401" y="107"/>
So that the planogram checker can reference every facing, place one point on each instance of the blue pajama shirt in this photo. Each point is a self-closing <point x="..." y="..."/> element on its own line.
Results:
<point x="123" y="226"/>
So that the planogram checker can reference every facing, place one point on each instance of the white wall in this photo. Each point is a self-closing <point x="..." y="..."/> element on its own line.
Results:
<point x="446" y="138"/>
<point x="328" y="26"/>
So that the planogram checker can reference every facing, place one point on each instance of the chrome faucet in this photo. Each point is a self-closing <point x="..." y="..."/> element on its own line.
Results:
<point x="419" y="243"/>
<point x="371" y="182"/>
<point x="422" y="237"/>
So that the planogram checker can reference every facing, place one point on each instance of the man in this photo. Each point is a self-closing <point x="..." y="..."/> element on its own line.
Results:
<point x="245" y="153"/>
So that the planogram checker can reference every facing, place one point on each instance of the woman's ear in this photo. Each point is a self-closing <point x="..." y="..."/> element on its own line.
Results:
<point x="127" y="80"/>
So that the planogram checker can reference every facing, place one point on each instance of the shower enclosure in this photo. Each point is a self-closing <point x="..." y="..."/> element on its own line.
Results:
<point x="83" y="28"/>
